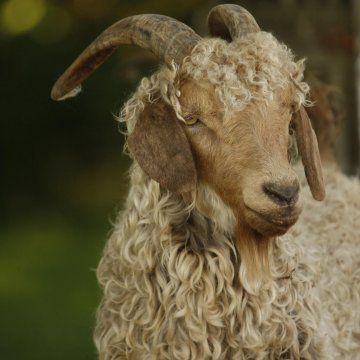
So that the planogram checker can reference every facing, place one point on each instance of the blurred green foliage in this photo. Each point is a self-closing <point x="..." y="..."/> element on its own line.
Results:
<point x="62" y="169"/>
<point x="48" y="293"/>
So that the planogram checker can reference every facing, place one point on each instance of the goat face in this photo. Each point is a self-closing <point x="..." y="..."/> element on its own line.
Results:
<point x="243" y="155"/>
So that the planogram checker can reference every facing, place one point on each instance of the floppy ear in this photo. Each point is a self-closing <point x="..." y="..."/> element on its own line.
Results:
<point x="310" y="155"/>
<point x="160" y="146"/>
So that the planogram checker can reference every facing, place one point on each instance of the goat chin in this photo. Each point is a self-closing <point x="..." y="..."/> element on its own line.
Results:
<point x="269" y="225"/>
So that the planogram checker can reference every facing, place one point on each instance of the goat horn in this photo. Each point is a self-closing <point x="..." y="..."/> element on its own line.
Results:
<point x="230" y="21"/>
<point x="169" y="39"/>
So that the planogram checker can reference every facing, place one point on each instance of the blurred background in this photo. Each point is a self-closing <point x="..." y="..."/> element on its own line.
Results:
<point x="63" y="174"/>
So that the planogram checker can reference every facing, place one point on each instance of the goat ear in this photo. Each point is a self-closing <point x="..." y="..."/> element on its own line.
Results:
<point x="310" y="155"/>
<point x="160" y="146"/>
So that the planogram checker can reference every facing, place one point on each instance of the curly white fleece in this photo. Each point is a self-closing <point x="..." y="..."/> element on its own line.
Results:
<point x="170" y="272"/>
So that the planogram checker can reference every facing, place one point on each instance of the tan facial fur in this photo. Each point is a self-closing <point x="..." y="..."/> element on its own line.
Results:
<point x="236" y="153"/>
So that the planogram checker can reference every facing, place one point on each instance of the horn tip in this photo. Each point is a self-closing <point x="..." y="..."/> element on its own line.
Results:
<point x="58" y="95"/>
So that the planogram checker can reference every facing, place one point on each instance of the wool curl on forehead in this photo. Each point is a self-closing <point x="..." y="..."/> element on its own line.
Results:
<point x="250" y="68"/>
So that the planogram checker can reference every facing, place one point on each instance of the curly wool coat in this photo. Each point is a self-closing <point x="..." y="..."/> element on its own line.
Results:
<point x="171" y="275"/>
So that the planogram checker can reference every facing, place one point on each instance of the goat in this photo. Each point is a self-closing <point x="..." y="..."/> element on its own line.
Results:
<point x="201" y="263"/>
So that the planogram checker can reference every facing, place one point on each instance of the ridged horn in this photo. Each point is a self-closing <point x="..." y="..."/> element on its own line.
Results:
<point x="166" y="37"/>
<point x="230" y="21"/>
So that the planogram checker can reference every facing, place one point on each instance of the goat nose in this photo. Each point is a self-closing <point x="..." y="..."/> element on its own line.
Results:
<point x="281" y="194"/>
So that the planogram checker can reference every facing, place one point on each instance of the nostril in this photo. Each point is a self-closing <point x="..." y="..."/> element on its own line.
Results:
<point x="281" y="194"/>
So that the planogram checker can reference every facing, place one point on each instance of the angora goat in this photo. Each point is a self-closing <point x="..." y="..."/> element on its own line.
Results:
<point x="196" y="267"/>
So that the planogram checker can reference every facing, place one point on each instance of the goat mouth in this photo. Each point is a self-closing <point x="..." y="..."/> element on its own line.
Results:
<point x="272" y="223"/>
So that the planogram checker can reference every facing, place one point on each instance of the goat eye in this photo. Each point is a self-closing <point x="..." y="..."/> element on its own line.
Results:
<point x="291" y="128"/>
<point x="293" y="109"/>
<point x="191" y="120"/>
<point x="292" y="146"/>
